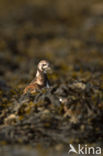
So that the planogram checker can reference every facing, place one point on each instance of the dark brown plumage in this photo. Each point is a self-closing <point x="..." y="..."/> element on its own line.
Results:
<point x="41" y="79"/>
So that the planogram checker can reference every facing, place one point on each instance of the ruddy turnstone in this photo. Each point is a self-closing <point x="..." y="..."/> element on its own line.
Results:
<point x="41" y="79"/>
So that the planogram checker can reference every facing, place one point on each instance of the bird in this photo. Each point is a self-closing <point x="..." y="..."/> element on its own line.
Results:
<point x="41" y="79"/>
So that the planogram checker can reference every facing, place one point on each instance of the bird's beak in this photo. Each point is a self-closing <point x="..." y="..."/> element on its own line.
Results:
<point x="49" y="69"/>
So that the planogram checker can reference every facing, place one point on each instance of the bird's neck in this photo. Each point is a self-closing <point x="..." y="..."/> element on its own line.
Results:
<point x="40" y="78"/>
<point x="39" y="74"/>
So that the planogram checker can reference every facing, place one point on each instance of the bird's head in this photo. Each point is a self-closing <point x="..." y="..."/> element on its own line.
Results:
<point x="44" y="66"/>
